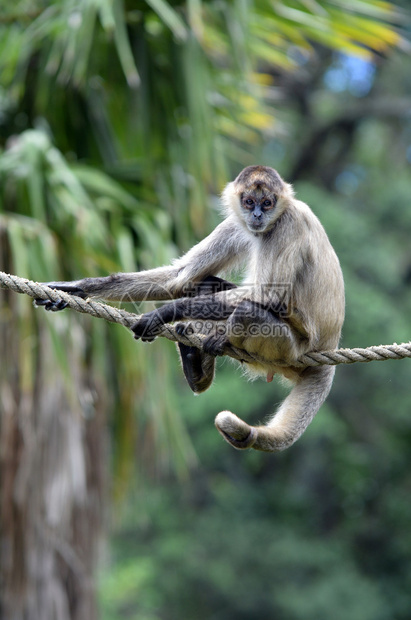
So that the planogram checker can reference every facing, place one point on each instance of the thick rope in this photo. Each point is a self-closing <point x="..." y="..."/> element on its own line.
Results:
<point x="116" y="315"/>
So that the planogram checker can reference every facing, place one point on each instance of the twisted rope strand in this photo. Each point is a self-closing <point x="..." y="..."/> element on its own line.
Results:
<point x="116" y="315"/>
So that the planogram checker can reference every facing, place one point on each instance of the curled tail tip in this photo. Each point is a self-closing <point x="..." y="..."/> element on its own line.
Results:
<point x="239" y="434"/>
<point x="242" y="436"/>
<point x="290" y="420"/>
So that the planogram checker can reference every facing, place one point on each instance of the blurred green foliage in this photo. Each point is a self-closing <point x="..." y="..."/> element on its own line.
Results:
<point x="119" y="123"/>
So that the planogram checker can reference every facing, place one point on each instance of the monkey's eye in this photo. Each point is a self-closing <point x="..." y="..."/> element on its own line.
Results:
<point x="249" y="202"/>
<point x="267" y="203"/>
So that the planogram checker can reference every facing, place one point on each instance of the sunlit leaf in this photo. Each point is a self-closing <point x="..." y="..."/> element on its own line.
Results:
<point x="123" y="45"/>
<point x="170" y="17"/>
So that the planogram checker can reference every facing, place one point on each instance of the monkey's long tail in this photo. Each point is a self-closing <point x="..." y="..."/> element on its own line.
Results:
<point x="289" y="422"/>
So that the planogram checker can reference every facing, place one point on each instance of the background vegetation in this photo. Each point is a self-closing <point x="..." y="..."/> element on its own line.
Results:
<point x="119" y="124"/>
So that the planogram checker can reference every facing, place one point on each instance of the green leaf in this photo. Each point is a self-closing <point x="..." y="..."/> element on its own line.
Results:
<point x="170" y="17"/>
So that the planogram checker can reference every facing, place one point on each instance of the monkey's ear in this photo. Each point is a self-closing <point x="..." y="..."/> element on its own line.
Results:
<point x="230" y="198"/>
<point x="288" y="191"/>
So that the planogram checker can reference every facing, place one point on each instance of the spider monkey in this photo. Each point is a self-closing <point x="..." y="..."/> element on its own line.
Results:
<point x="291" y="301"/>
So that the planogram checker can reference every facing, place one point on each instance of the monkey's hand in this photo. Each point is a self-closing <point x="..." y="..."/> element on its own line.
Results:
<point x="148" y="327"/>
<point x="55" y="306"/>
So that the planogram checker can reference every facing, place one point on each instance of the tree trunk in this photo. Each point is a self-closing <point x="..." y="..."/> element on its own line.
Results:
<point x="52" y="447"/>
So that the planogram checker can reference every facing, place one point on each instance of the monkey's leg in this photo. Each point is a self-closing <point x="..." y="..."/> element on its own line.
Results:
<point x="205" y="307"/>
<point x="198" y="366"/>
<point x="250" y="323"/>
<point x="261" y="330"/>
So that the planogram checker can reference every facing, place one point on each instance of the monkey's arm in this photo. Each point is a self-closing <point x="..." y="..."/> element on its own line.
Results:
<point x="224" y="247"/>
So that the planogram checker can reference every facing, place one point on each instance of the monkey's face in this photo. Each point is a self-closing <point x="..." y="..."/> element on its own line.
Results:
<point x="258" y="207"/>
<point x="258" y="197"/>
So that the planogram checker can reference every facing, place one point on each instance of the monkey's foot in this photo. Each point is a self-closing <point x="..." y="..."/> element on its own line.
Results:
<point x="55" y="306"/>
<point x="215" y="345"/>
<point x="198" y="368"/>
<point x="148" y="327"/>
<point x="238" y="433"/>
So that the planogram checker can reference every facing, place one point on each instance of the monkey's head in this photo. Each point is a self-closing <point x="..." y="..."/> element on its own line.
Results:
<point x="258" y="196"/>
